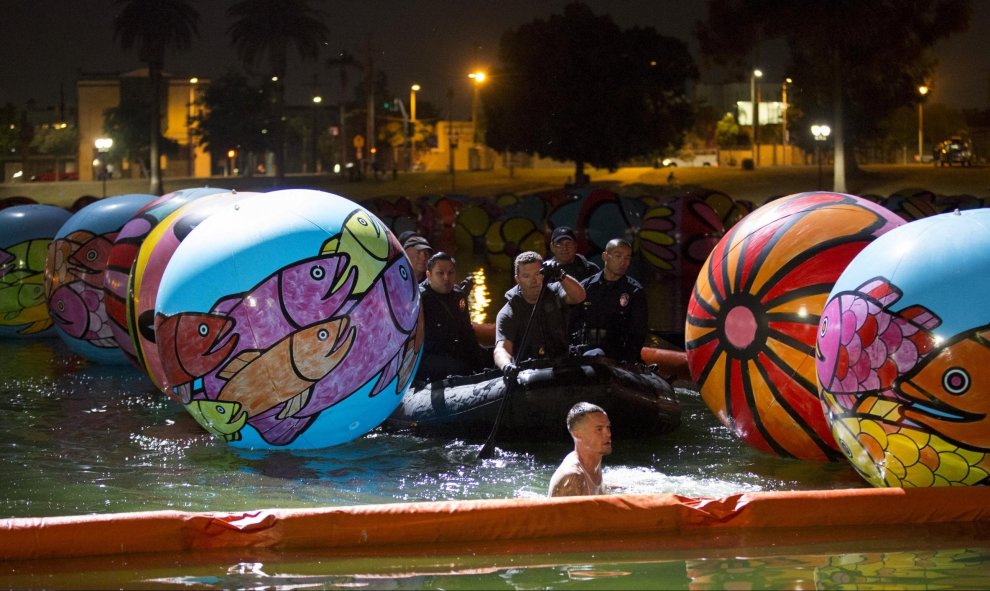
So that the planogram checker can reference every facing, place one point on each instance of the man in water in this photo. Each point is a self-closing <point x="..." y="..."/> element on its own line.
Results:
<point x="450" y="346"/>
<point x="614" y="314"/>
<point x="547" y="336"/>
<point x="419" y="251"/>
<point x="564" y="249"/>
<point x="580" y="473"/>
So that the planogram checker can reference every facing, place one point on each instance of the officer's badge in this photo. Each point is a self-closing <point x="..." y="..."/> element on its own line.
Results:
<point x="461" y="304"/>
<point x="624" y="300"/>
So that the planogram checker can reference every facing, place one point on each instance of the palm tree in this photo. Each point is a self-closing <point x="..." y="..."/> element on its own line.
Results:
<point x="343" y="61"/>
<point x="267" y="28"/>
<point x="153" y="26"/>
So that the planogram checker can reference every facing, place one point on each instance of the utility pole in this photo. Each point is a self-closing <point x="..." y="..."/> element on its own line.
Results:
<point x="371" y="108"/>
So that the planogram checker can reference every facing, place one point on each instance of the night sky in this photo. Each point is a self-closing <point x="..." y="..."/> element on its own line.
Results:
<point x="435" y="43"/>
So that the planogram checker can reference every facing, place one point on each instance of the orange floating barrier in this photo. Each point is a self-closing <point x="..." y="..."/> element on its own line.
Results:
<point x="517" y="520"/>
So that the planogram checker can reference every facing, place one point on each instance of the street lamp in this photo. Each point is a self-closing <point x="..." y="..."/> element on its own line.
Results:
<point x="479" y="78"/>
<point x="412" y="124"/>
<point x="103" y="145"/>
<point x="412" y="104"/>
<point x="821" y="133"/>
<point x="317" y="101"/>
<point x="190" y="114"/>
<point x="922" y="90"/>
<point x="784" y="135"/>
<point x="754" y="97"/>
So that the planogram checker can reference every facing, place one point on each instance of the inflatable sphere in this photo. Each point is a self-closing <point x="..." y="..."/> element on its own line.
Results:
<point x="152" y="258"/>
<point x="74" y="275"/>
<point x="26" y="231"/>
<point x="121" y="260"/>
<point x="904" y="354"/>
<point x="289" y="320"/>
<point x="753" y="317"/>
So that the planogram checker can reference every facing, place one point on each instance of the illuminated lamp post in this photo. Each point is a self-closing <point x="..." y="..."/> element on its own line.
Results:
<point x="479" y="78"/>
<point x="922" y="90"/>
<point x="412" y="123"/>
<point x="784" y="135"/>
<point x="821" y="133"/>
<point x="103" y="145"/>
<point x="317" y="101"/>
<point x="190" y="168"/>
<point x="754" y="97"/>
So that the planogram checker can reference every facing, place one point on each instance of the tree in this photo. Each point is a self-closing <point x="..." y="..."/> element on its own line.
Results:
<point x="855" y="61"/>
<point x="57" y="140"/>
<point x="236" y="115"/>
<point x="154" y="26"/>
<point x="728" y="134"/>
<point x="128" y="125"/>
<point x="267" y="28"/>
<point x="577" y="87"/>
<point x="9" y="130"/>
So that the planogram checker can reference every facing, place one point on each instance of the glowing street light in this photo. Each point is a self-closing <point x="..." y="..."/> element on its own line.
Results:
<point x="479" y="78"/>
<point x="103" y="145"/>
<point x="190" y="167"/>
<point x="821" y="133"/>
<point x="754" y="97"/>
<point x="922" y="90"/>
<point x="412" y="102"/>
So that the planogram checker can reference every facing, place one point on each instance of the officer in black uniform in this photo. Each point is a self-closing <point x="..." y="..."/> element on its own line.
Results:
<point x="450" y="346"/>
<point x="564" y="248"/>
<point x="614" y="315"/>
<point x="547" y="335"/>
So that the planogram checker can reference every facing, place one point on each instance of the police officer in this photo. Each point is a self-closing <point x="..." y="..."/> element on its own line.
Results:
<point x="564" y="249"/>
<point x="450" y="346"/>
<point x="546" y="335"/>
<point x="614" y="314"/>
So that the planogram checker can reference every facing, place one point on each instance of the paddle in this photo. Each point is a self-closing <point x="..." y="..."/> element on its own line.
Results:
<point x="488" y="449"/>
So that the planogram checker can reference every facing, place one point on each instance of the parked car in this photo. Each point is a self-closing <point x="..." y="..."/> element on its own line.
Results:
<point x="953" y="151"/>
<point x="706" y="158"/>
<point x="49" y="176"/>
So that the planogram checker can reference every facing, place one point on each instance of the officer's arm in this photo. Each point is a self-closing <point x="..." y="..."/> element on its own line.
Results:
<point x="503" y="353"/>
<point x="573" y="292"/>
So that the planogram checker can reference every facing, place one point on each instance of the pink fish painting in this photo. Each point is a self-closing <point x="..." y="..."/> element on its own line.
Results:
<point x="875" y="344"/>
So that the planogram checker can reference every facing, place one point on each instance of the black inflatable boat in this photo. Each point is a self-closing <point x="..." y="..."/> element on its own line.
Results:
<point x="638" y="400"/>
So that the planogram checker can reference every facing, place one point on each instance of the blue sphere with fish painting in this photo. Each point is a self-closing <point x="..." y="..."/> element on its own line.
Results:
<point x="26" y="231"/>
<point x="290" y="320"/>
<point x="74" y="275"/>
<point x="903" y="354"/>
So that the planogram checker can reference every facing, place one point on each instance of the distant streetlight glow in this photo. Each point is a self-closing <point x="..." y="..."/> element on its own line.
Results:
<point x="479" y="78"/>
<point x="821" y="133"/>
<point x="922" y="90"/>
<point x="754" y="98"/>
<point x="317" y="99"/>
<point x="102" y="145"/>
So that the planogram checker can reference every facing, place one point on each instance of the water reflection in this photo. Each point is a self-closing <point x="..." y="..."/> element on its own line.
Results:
<point x="948" y="556"/>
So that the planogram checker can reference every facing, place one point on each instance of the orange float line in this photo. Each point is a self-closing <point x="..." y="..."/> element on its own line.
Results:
<point x="486" y="521"/>
<point x="671" y="364"/>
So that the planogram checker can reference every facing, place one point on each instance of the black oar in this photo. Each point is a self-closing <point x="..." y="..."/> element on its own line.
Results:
<point x="489" y="447"/>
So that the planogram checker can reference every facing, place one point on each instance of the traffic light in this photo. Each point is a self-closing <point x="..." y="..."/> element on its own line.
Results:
<point x="387" y="106"/>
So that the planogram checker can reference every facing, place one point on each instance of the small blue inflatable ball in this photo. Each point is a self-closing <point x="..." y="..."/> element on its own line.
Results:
<point x="289" y="320"/>
<point x="26" y="231"/>
<point x="74" y="276"/>
<point x="903" y="354"/>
